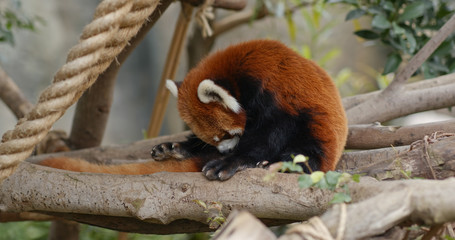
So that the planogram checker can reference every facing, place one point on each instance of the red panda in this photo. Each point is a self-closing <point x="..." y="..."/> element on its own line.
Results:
<point x="255" y="102"/>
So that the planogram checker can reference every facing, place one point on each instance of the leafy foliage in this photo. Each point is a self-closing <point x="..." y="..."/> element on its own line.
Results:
<point x="10" y="20"/>
<point x="334" y="181"/>
<point x="405" y="26"/>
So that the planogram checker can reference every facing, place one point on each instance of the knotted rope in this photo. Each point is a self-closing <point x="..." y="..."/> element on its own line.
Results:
<point x="115" y="23"/>
<point x="315" y="228"/>
<point x="203" y="15"/>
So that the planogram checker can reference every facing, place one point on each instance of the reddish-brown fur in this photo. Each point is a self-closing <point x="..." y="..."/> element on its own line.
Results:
<point x="78" y="165"/>
<point x="320" y="93"/>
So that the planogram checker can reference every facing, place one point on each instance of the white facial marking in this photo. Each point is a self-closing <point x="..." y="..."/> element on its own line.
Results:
<point x="236" y="131"/>
<point x="228" y="144"/>
<point x="172" y="87"/>
<point x="216" y="139"/>
<point x="208" y="92"/>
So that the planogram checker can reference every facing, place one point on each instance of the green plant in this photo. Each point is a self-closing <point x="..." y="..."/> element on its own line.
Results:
<point x="405" y="26"/>
<point x="331" y="180"/>
<point x="12" y="19"/>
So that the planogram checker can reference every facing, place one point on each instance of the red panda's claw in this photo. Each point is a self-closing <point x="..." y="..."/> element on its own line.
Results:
<point x="167" y="150"/>
<point x="222" y="169"/>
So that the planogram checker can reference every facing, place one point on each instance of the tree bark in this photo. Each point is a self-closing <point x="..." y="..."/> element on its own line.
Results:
<point x="12" y="96"/>
<point x="371" y="136"/>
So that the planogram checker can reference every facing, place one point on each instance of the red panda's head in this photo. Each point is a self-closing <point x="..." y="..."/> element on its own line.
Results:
<point x="214" y="115"/>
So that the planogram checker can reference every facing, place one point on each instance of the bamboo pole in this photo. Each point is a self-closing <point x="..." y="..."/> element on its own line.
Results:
<point x="170" y="68"/>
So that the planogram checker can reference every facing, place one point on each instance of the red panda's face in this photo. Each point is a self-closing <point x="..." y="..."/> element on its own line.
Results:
<point x="211" y="112"/>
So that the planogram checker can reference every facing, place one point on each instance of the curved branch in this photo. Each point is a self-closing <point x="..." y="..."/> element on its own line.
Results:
<point x="12" y="96"/>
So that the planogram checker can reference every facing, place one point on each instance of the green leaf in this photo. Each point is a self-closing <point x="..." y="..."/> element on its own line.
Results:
<point x="392" y="63"/>
<point x="381" y="22"/>
<point x="317" y="176"/>
<point x="374" y="10"/>
<point x="306" y="52"/>
<point x="341" y="197"/>
<point x="387" y="5"/>
<point x="356" y="178"/>
<point x="291" y="167"/>
<point x="305" y="181"/>
<point x="354" y="14"/>
<point x="444" y="48"/>
<point x="291" y="26"/>
<point x="367" y="34"/>
<point x="322" y="184"/>
<point x="396" y="29"/>
<point x="438" y="66"/>
<point x="300" y="159"/>
<point x="332" y="178"/>
<point x="413" y="10"/>
<point x="411" y="42"/>
<point x="329" y="56"/>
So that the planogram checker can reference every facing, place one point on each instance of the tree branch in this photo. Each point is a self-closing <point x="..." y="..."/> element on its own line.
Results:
<point x="350" y="102"/>
<point x="392" y="95"/>
<point x="240" y="18"/>
<point x="417" y="97"/>
<point x="225" y="4"/>
<point x="387" y="204"/>
<point x="394" y="202"/>
<point x="371" y="136"/>
<point x="12" y="96"/>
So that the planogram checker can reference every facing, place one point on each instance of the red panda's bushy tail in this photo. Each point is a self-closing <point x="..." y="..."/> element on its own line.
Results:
<point x="79" y="165"/>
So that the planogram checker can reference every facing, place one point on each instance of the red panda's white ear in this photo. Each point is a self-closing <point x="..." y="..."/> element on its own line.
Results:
<point x="208" y="92"/>
<point x="173" y="88"/>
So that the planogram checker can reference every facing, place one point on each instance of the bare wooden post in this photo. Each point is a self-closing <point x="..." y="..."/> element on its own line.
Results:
<point x="170" y="68"/>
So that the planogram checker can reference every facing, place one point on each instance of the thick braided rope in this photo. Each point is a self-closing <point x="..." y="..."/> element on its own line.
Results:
<point x="114" y="24"/>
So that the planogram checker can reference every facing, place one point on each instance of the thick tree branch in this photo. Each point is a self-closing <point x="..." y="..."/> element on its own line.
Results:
<point x="371" y="136"/>
<point x="429" y="158"/>
<point x="143" y="203"/>
<point x="389" y="203"/>
<point x="12" y="96"/>
<point x="417" y="97"/>
<point x="162" y="198"/>
<point x="350" y="102"/>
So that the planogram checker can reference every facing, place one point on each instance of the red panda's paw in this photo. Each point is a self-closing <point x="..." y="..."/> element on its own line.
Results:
<point x="223" y="169"/>
<point x="168" y="150"/>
